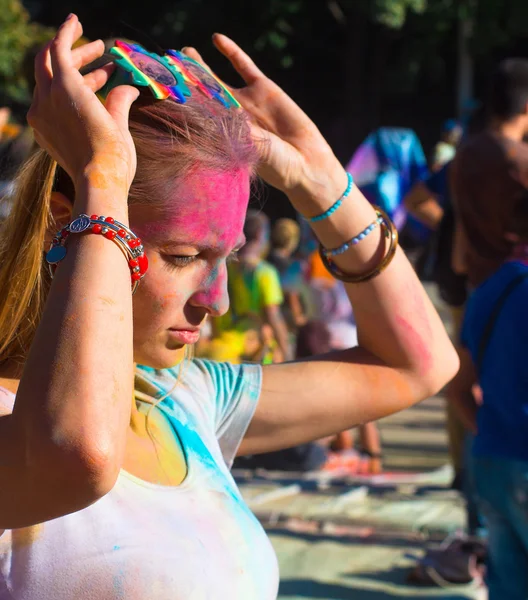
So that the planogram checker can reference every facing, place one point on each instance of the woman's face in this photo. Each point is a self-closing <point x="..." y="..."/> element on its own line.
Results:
<point x="188" y="244"/>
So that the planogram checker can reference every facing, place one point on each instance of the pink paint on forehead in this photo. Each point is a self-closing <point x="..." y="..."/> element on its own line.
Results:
<point x="208" y="208"/>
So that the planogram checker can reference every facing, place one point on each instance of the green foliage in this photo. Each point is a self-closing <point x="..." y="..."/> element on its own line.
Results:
<point x="17" y="36"/>
<point x="496" y="24"/>
<point x="391" y="13"/>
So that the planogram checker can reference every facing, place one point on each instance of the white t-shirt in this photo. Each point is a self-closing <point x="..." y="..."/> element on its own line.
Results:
<point x="197" y="541"/>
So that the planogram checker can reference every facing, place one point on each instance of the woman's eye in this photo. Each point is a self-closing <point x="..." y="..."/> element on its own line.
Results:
<point x="176" y="260"/>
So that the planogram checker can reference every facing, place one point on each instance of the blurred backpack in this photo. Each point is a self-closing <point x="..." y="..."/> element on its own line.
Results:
<point x="434" y="263"/>
<point x="452" y="287"/>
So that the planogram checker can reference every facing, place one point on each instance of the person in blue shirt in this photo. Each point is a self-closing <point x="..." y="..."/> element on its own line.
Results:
<point x="494" y="345"/>
<point x="385" y="167"/>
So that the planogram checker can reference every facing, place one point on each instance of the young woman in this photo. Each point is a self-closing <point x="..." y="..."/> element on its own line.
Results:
<point x="103" y="496"/>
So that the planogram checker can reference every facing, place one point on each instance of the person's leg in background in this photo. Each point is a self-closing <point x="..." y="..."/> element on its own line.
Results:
<point x="455" y="430"/>
<point x="507" y="572"/>
<point x="476" y="527"/>
<point x="370" y="441"/>
<point x="456" y="434"/>
<point x="518" y="503"/>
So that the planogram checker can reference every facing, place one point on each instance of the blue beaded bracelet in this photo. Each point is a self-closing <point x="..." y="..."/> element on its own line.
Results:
<point x="336" y="205"/>
<point x="354" y="240"/>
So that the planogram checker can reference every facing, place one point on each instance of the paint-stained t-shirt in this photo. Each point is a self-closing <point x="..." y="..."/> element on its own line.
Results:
<point x="197" y="541"/>
<point x="252" y="291"/>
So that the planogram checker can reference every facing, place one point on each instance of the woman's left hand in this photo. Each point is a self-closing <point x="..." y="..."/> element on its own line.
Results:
<point x="295" y="157"/>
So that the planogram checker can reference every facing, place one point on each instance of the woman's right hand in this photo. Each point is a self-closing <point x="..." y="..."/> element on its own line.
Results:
<point x="89" y="140"/>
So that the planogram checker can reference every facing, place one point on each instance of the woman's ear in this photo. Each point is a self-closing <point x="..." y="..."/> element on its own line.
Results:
<point x="61" y="210"/>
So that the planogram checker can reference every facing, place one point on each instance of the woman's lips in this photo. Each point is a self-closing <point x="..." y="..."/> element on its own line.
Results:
<point x="185" y="336"/>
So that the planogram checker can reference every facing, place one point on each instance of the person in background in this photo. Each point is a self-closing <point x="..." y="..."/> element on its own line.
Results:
<point x="494" y="344"/>
<point x="385" y="167"/>
<point x="312" y="338"/>
<point x="329" y="298"/>
<point x="331" y="306"/>
<point x="368" y="458"/>
<point x="255" y="291"/>
<point x="285" y="237"/>
<point x="485" y="183"/>
<point x="428" y="198"/>
<point x="430" y="203"/>
<point x="446" y="148"/>
<point x="486" y="174"/>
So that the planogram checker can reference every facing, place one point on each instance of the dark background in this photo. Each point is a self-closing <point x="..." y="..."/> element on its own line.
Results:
<point x="353" y="65"/>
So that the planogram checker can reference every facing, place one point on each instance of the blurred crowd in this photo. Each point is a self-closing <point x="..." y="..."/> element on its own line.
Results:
<point x="463" y="219"/>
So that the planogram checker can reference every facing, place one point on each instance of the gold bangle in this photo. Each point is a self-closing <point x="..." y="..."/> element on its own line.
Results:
<point x="390" y="232"/>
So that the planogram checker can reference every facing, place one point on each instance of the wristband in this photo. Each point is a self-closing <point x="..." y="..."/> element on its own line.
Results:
<point x="355" y="240"/>
<point x="336" y="204"/>
<point x="389" y="231"/>
<point x="111" y="229"/>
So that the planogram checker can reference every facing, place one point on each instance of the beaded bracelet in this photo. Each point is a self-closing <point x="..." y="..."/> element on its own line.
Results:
<point x="389" y="231"/>
<point x="355" y="240"/>
<point x="336" y="205"/>
<point x="113" y="230"/>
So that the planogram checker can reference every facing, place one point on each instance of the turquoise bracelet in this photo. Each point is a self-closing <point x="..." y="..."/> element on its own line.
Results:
<point x="355" y="240"/>
<point x="336" y="205"/>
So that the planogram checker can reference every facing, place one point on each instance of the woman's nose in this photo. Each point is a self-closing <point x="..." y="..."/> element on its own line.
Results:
<point x="213" y="295"/>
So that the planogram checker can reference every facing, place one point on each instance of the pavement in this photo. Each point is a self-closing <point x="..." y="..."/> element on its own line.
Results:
<point x="353" y="537"/>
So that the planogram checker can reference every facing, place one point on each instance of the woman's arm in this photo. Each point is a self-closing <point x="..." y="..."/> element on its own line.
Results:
<point x="293" y="298"/>
<point x="63" y="444"/>
<point x="423" y="205"/>
<point x="404" y="355"/>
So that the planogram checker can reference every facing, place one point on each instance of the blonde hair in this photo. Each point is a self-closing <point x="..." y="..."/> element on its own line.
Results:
<point x="286" y="234"/>
<point x="24" y="282"/>
<point x="155" y="402"/>
<point x="171" y="140"/>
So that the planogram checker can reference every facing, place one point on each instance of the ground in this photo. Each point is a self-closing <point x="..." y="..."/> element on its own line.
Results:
<point x="358" y="538"/>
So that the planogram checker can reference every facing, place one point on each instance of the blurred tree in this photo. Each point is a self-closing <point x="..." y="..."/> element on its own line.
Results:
<point x="18" y="35"/>
<point x="355" y="56"/>
<point x="391" y="13"/>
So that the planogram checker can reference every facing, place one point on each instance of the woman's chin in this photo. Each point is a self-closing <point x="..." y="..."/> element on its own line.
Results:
<point x="165" y="358"/>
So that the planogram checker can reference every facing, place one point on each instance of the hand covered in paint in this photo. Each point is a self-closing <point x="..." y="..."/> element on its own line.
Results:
<point x="295" y="158"/>
<point x="84" y="136"/>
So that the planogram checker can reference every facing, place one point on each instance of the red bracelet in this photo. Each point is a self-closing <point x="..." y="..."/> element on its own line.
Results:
<point x="121" y="235"/>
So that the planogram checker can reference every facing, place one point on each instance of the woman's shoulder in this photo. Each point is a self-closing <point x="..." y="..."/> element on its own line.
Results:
<point x="205" y="374"/>
<point x="223" y="379"/>
<point x="7" y="401"/>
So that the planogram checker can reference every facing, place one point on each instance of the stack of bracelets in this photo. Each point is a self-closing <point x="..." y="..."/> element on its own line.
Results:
<point x="382" y="220"/>
<point x="113" y="230"/>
